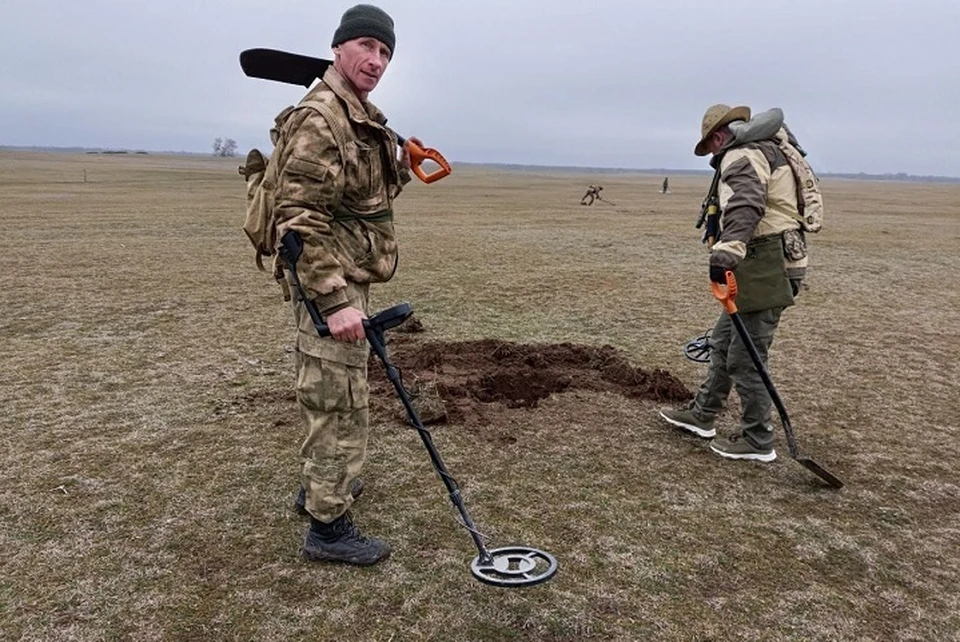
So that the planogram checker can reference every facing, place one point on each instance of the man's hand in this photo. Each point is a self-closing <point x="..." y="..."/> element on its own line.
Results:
<point x="720" y="262"/>
<point x="718" y="274"/>
<point x="347" y="325"/>
<point x="405" y="152"/>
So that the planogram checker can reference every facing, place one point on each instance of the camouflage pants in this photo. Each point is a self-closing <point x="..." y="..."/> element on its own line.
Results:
<point x="731" y="365"/>
<point x="333" y="395"/>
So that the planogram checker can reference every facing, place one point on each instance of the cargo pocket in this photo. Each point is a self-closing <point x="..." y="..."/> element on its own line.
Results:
<point x="762" y="282"/>
<point x="795" y="245"/>
<point x="362" y="168"/>
<point x="303" y="181"/>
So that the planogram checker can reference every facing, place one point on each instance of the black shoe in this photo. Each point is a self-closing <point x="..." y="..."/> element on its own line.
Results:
<point x="341" y="541"/>
<point x="356" y="489"/>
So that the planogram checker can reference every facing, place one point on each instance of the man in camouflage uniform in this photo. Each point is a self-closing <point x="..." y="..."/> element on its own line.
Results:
<point x="759" y="220"/>
<point x="338" y="176"/>
<point x="593" y="192"/>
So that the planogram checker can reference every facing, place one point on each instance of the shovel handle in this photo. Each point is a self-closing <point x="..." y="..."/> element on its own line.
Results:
<point x="419" y="154"/>
<point x="726" y="293"/>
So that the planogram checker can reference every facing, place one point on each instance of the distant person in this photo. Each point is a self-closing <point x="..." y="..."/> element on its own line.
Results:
<point x="758" y="219"/>
<point x="341" y="204"/>
<point x="593" y="192"/>
<point x="666" y="185"/>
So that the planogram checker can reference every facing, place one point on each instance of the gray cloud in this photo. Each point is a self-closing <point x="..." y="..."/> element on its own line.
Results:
<point x="867" y="86"/>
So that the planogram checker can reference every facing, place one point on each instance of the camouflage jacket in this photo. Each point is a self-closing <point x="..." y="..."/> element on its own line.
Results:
<point x="341" y="204"/>
<point x="758" y="197"/>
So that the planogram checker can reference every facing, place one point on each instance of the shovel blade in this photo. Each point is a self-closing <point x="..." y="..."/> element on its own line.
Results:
<point x="818" y="470"/>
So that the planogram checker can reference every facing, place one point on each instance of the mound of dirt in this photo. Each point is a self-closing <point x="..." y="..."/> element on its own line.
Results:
<point x="469" y="375"/>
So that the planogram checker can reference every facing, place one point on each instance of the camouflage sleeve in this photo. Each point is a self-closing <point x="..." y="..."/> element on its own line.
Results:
<point x="405" y="177"/>
<point x="309" y="189"/>
<point x="742" y="201"/>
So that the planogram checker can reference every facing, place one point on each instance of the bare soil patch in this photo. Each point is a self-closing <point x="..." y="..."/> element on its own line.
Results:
<point x="477" y="380"/>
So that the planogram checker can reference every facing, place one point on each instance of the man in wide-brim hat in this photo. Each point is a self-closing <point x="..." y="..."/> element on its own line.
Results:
<point x="758" y="219"/>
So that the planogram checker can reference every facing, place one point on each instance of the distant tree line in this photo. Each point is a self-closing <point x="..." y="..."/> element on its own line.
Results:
<point x="224" y="148"/>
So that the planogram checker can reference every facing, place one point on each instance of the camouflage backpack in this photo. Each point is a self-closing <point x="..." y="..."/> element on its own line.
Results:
<point x="262" y="176"/>
<point x="809" y="198"/>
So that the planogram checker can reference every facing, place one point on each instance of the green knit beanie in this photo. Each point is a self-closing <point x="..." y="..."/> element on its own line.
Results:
<point x="365" y="20"/>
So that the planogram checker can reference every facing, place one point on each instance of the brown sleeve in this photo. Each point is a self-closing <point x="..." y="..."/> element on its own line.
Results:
<point x="746" y="205"/>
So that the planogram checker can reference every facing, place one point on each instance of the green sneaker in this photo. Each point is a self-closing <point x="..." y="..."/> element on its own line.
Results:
<point x="687" y="419"/>
<point x="740" y="447"/>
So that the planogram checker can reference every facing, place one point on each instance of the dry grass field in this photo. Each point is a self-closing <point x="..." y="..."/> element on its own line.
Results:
<point x="149" y="429"/>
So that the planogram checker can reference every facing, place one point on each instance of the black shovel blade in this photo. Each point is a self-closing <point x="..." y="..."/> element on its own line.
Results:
<point x="819" y="471"/>
<point x="282" y="66"/>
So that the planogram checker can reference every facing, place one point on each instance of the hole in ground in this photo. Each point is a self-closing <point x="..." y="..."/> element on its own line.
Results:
<point x="469" y="374"/>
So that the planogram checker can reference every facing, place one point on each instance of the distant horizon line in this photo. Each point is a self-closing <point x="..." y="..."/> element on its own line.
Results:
<point x="895" y="176"/>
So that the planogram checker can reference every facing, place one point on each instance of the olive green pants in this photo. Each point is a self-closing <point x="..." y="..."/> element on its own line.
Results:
<point x="731" y="366"/>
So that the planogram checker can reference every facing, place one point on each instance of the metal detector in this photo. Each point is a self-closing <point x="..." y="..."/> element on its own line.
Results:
<point x="513" y="566"/>
<point x="726" y="293"/>
<point x="698" y="349"/>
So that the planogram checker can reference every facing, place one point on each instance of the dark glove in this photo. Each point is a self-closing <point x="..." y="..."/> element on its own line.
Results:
<point x="718" y="274"/>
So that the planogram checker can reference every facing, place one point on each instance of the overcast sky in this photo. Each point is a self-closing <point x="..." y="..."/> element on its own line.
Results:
<point x="871" y="86"/>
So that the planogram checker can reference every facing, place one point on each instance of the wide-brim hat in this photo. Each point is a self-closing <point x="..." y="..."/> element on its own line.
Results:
<point x="716" y="117"/>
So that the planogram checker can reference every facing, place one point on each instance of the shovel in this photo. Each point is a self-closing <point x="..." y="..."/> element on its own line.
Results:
<point x="296" y="69"/>
<point x="726" y="295"/>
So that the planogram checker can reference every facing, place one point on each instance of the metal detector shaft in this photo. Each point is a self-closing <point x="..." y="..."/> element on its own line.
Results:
<point x="291" y="248"/>
<point x="726" y="295"/>
<point x="375" y="337"/>
<point x="505" y="567"/>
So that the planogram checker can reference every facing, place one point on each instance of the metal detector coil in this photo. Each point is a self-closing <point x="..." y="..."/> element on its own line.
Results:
<point x="506" y="567"/>
<point x="698" y="349"/>
<point x="514" y="566"/>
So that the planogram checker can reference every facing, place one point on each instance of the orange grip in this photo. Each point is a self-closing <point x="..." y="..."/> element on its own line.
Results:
<point x="419" y="154"/>
<point x="726" y="293"/>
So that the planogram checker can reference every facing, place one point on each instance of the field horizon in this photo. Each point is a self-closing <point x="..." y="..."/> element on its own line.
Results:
<point x="850" y="175"/>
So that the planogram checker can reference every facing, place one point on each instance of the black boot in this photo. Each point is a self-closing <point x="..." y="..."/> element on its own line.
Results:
<point x="299" y="502"/>
<point x="341" y="541"/>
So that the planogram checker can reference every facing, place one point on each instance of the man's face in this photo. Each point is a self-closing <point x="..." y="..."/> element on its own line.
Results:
<point x="717" y="140"/>
<point x="362" y="61"/>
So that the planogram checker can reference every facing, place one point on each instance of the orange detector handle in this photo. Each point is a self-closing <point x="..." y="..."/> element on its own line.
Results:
<point x="726" y="293"/>
<point x="419" y="154"/>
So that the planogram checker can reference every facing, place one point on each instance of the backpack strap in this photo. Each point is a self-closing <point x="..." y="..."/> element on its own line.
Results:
<point x="809" y="198"/>
<point x="336" y="125"/>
